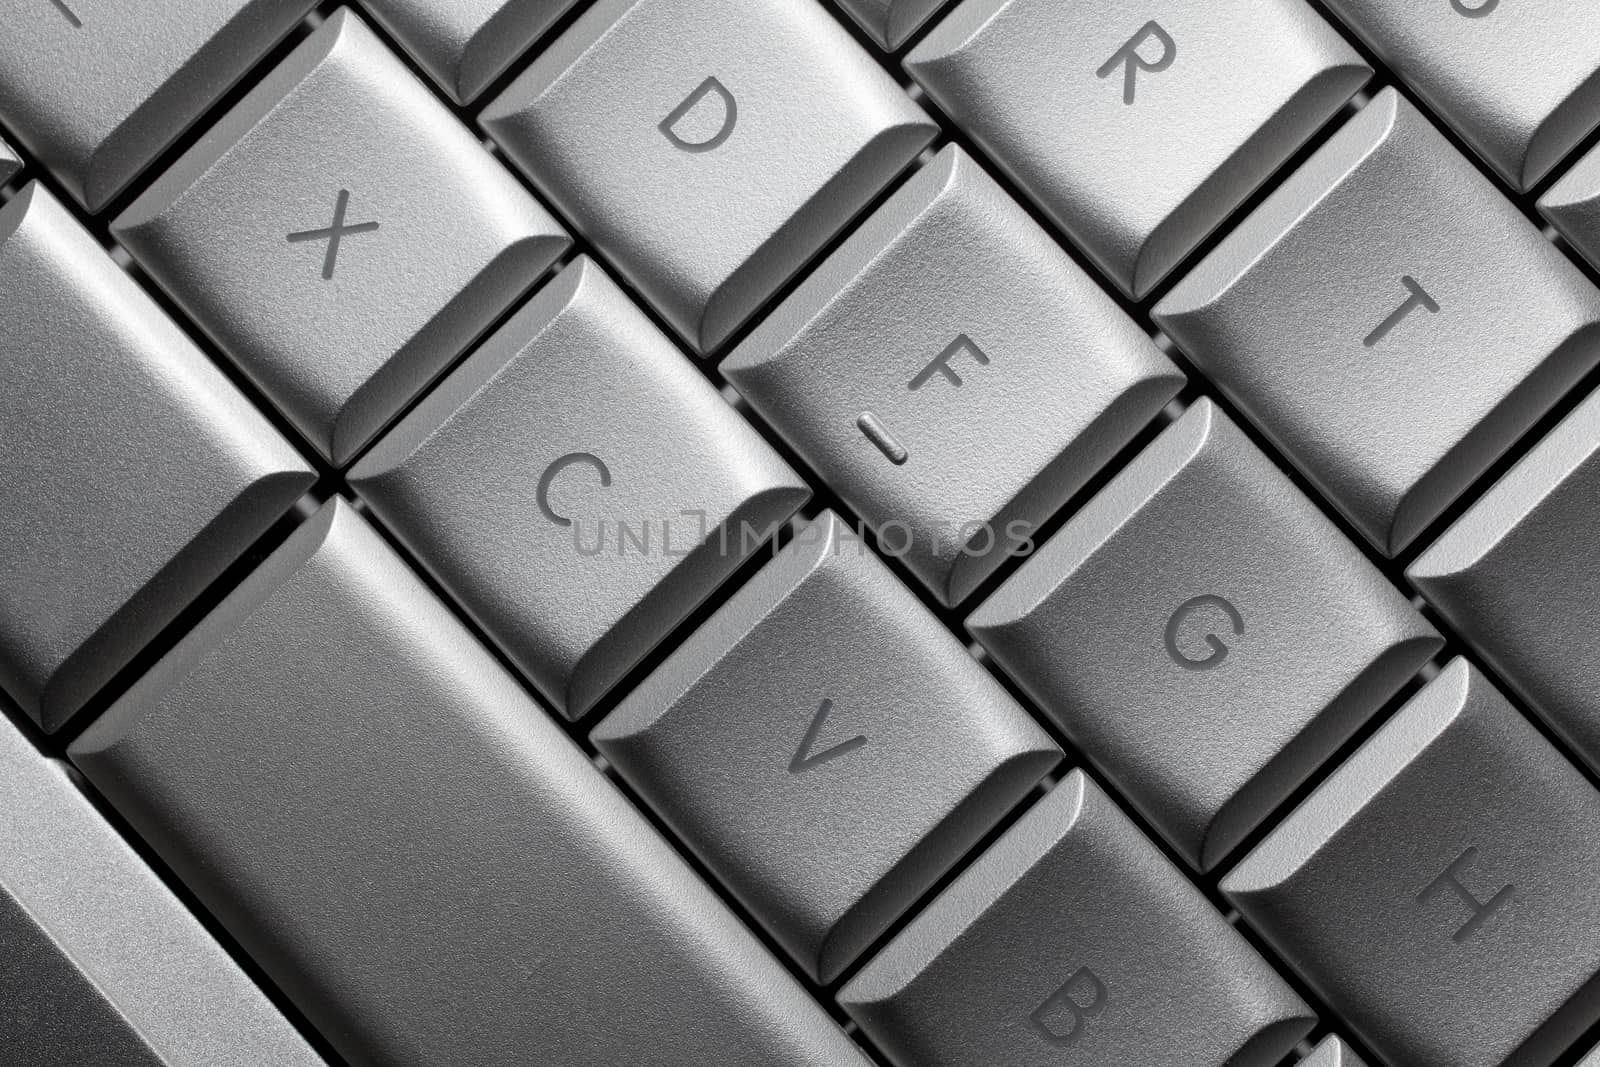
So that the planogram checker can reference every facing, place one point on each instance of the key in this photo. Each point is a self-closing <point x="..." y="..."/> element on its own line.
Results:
<point x="1573" y="206"/>
<point x="413" y="851"/>
<point x="341" y="235"/>
<point x="1332" y="1053"/>
<point x="1592" y="1059"/>
<point x="466" y="44"/>
<point x="9" y="163"/>
<point x="1388" y="320"/>
<point x="1204" y="634"/>
<point x="96" y="90"/>
<point x="1004" y="373"/>
<point x="1520" y="82"/>
<point x="891" y="22"/>
<point x="1516" y="576"/>
<point x="134" y="471"/>
<point x="578" y="486"/>
<point x="708" y="148"/>
<point x="1438" y="890"/>
<point x="103" y="966"/>
<point x="826" y="792"/>
<point x="1177" y="112"/>
<point x="1073" y="940"/>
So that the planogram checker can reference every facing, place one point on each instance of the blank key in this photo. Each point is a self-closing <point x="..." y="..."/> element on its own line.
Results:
<point x="953" y="374"/>
<point x="1074" y="941"/>
<point x="133" y="471"/>
<point x="1518" y="575"/>
<point x="1137" y="128"/>
<point x="579" y="486"/>
<point x="1519" y="81"/>
<point x="1438" y="890"/>
<point x="1204" y="634"/>
<point x="708" y="147"/>
<point x="1389" y="320"/>
<point x="466" y="44"/>
<point x="341" y="235"/>
<point x="103" y="966"/>
<point x="97" y="88"/>
<point x="827" y="746"/>
<point x="412" y="850"/>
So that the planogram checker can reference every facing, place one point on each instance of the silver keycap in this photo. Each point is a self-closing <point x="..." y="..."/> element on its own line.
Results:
<point x="1519" y="81"/>
<point x="708" y="147"/>
<point x="413" y="851"/>
<point x="466" y="44"/>
<point x="826" y="791"/>
<point x="1002" y="373"/>
<point x="1516" y="575"/>
<point x="1389" y="320"/>
<point x="579" y="486"/>
<point x="1573" y="206"/>
<point x="96" y="89"/>
<point x="341" y="235"/>
<point x="890" y="22"/>
<point x="1138" y="129"/>
<point x="1592" y="1059"/>
<point x="103" y="967"/>
<point x="134" y="472"/>
<point x="1073" y="940"/>
<point x="1438" y="890"/>
<point x="1204" y="634"/>
<point x="1332" y="1053"/>
<point x="9" y="163"/>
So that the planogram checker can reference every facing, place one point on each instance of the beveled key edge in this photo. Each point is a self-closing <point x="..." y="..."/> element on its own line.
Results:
<point x="137" y="621"/>
<point x="1572" y="206"/>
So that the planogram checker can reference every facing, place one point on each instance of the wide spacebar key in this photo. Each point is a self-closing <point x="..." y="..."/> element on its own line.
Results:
<point x="413" y="851"/>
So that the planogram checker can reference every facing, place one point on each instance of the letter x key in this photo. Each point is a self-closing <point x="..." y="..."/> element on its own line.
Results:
<point x="333" y="234"/>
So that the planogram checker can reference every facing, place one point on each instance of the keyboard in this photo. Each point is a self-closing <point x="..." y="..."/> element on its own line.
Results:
<point x="799" y="533"/>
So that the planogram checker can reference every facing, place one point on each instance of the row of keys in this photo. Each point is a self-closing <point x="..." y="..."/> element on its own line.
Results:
<point x="103" y="966"/>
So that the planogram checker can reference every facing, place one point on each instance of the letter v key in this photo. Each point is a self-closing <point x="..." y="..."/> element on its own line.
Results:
<point x="803" y="759"/>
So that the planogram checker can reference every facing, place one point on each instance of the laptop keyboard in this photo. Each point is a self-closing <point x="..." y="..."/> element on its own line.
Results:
<point x="799" y="533"/>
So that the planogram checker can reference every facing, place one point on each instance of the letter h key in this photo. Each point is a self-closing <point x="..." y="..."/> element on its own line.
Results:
<point x="1450" y="881"/>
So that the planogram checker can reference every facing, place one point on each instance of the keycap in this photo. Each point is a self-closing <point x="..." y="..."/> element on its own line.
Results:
<point x="1204" y="634"/>
<point x="466" y="44"/>
<point x="1438" y="890"/>
<point x="1516" y="575"/>
<point x="1073" y="940"/>
<point x="1332" y="1053"/>
<point x="1520" y="82"/>
<point x="578" y="486"/>
<point x="891" y="22"/>
<point x="103" y="966"/>
<point x="413" y="851"/>
<point x="134" y="471"/>
<point x="1573" y="206"/>
<point x="9" y="163"/>
<point x="341" y="236"/>
<point x="1388" y="320"/>
<point x="96" y="90"/>
<point x="825" y="791"/>
<point x="1592" y="1059"/>
<point x="1176" y="113"/>
<point x="708" y="148"/>
<point x="1001" y="373"/>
